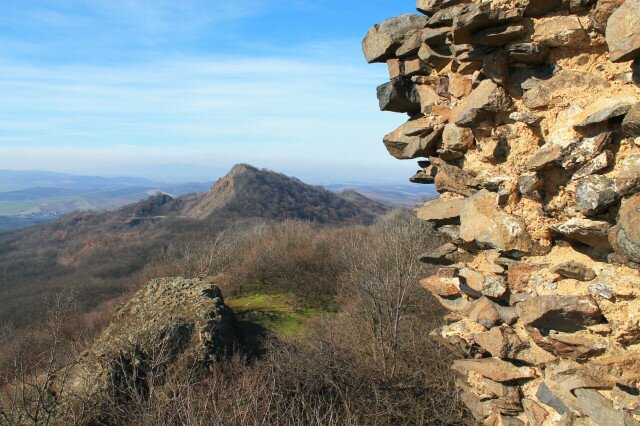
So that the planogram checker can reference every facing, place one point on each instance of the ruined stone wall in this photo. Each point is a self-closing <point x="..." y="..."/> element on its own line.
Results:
<point x="525" y="114"/>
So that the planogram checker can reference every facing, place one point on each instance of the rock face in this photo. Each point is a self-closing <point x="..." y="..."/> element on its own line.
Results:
<point x="529" y="126"/>
<point x="170" y="323"/>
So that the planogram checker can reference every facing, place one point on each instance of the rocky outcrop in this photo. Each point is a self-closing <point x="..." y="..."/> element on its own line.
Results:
<point x="525" y="115"/>
<point x="170" y="327"/>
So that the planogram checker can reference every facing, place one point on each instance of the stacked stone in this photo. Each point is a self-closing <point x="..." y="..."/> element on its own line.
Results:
<point x="525" y="115"/>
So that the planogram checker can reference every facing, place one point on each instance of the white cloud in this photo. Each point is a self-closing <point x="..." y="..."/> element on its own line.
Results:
<point x="209" y="111"/>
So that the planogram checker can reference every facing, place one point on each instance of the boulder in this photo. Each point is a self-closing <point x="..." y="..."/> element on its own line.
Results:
<point x="399" y="95"/>
<point x="415" y="66"/>
<point x="631" y="122"/>
<point x="383" y="39"/>
<point x="603" y="109"/>
<point x="623" y="32"/>
<point x="416" y="138"/>
<point x="528" y="53"/>
<point x="595" y="194"/>
<point x="494" y="368"/>
<point x="574" y="270"/>
<point x="560" y="312"/>
<point x="590" y="232"/>
<point x="482" y="221"/>
<point x="440" y="210"/>
<point x="395" y="67"/>
<point x="482" y="105"/>
<point x="544" y="93"/>
<point x="560" y="31"/>
<point x="436" y="36"/>
<point x="167" y="320"/>
<point x="627" y="232"/>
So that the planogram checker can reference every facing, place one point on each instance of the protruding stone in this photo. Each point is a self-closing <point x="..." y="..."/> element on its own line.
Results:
<point x="495" y="369"/>
<point x="489" y="314"/>
<point x="440" y="210"/>
<point x="559" y="31"/>
<point x="590" y="232"/>
<point x="559" y="312"/>
<point x="528" y="53"/>
<point x="523" y="117"/>
<point x="569" y="345"/>
<point x="481" y="220"/>
<point x="500" y="342"/>
<point x="603" y="109"/>
<point x="597" y="164"/>
<point x="399" y="95"/>
<point x="628" y="180"/>
<point x="440" y="256"/>
<point x="498" y="36"/>
<point x="415" y="138"/>
<point x="496" y="67"/>
<point x="442" y="286"/>
<point x="529" y="183"/>
<point x="436" y="58"/>
<point x="457" y="138"/>
<point x="544" y="93"/>
<point x="478" y="16"/>
<point x="541" y="7"/>
<point x="429" y="7"/>
<point x="383" y="39"/>
<point x="623" y="32"/>
<point x="574" y="270"/>
<point x="595" y="194"/>
<point x="482" y="105"/>
<point x="436" y="36"/>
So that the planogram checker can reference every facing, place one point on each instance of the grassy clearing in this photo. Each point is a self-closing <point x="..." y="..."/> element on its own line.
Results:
<point x="276" y="313"/>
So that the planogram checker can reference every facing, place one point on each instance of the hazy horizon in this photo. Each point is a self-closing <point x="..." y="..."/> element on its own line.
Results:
<point x="114" y="85"/>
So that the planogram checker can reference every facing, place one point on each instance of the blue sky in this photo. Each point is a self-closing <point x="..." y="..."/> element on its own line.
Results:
<point x="103" y="86"/>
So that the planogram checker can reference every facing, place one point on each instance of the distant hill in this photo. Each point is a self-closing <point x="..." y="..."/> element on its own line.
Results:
<point x="101" y="251"/>
<point x="28" y="197"/>
<point x="401" y="195"/>
<point x="249" y="192"/>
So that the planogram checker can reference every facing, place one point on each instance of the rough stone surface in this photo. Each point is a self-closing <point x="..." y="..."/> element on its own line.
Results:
<point x="560" y="31"/>
<point x="545" y="93"/>
<point x="530" y="120"/>
<point x="623" y="32"/>
<point x="627" y="233"/>
<point x="167" y="320"/>
<point x="383" y="39"/>
<point x="595" y="194"/>
<point x="482" y="104"/>
<point x="482" y="221"/>
<point x="561" y="313"/>
<point x="399" y="95"/>
<point x="604" y="109"/>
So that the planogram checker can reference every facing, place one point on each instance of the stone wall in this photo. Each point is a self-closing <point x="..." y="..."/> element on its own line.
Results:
<point x="525" y="114"/>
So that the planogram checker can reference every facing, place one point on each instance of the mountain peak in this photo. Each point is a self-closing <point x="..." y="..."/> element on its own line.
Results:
<point x="247" y="191"/>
